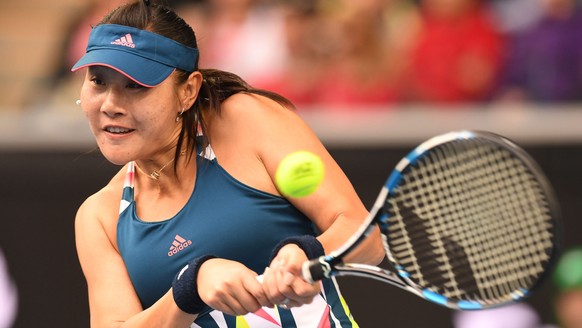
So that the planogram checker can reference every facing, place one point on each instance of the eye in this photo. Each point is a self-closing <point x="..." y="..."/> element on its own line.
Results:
<point x="96" y="80"/>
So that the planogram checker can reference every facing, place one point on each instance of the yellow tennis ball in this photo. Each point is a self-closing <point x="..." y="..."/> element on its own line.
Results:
<point x="299" y="174"/>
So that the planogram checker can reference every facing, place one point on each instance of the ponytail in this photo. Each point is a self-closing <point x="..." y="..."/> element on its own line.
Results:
<point x="216" y="87"/>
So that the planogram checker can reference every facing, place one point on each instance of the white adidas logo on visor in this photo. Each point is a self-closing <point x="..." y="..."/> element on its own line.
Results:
<point x="125" y="41"/>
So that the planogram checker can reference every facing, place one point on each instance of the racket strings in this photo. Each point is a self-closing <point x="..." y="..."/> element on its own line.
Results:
<point x="447" y="215"/>
<point x="519" y="273"/>
<point x="508" y="233"/>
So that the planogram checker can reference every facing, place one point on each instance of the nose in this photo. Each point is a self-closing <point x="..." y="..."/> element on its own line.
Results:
<point x="112" y="104"/>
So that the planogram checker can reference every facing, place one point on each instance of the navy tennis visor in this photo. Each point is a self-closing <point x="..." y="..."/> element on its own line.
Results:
<point x="145" y="57"/>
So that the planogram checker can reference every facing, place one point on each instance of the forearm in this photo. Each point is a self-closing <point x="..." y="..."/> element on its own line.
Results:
<point x="163" y="314"/>
<point x="370" y="251"/>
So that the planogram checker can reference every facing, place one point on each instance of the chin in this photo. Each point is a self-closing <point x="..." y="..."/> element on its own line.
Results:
<point x="116" y="160"/>
<point x="116" y="157"/>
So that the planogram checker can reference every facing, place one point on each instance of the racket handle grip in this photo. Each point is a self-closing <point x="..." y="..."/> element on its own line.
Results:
<point x="313" y="270"/>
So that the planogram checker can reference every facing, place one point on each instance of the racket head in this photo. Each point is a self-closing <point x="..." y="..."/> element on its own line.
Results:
<point x="470" y="221"/>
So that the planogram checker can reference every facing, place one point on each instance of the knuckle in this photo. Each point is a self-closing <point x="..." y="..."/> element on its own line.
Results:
<point x="253" y="308"/>
<point x="307" y="291"/>
<point x="211" y="300"/>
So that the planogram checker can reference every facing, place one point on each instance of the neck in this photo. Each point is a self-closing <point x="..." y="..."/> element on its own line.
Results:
<point x="157" y="173"/>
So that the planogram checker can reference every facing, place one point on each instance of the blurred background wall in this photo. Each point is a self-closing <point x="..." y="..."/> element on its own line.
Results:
<point x="372" y="77"/>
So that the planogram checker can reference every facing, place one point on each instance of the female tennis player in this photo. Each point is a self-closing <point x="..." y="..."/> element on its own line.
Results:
<point x="192" y="232"/>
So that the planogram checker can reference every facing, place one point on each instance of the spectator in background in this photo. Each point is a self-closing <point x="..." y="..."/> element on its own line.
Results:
<point x="243" y="35"/>
<point x="361" y="68"/>
<point x="8" y="296"/>
<point x="544" y="63"/>
<point x="514" y="16"/>
<point x="568" y="281"/>
<point x="334" y="53"/>
<point x="458" y="54"/>
<point x="305" y="47"/>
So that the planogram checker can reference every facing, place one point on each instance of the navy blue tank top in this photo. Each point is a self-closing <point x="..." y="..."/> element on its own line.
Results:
<point x="222" y="217"/>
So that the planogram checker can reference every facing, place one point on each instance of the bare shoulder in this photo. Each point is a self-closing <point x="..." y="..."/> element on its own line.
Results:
<point x="255" y="117"/>
<point x="99" y="211"/>
<point x="255" y="109"/>
<point x="253" y="133"/>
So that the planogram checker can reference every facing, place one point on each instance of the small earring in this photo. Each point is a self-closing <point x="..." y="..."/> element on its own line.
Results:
<point x="78" y="102"/>
<point x="180" y="115"/>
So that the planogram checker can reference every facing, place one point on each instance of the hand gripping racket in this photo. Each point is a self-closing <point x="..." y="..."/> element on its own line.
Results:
<point x="468" y="221"/>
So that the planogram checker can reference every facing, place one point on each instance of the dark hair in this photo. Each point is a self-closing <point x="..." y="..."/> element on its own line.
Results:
<point x="216" y="86"/>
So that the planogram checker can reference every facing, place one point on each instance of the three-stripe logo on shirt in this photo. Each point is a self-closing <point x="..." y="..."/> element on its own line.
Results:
<point x="178" y="244"/>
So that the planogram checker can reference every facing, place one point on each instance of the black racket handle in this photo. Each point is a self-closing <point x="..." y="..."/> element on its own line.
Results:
<point x="315" y="270"/>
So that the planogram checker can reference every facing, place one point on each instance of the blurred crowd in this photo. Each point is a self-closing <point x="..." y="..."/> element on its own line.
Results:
<point x="343" y="53"/>
<point x="373" y="53"/>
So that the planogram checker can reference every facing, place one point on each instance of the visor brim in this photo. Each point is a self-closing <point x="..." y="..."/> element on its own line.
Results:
<point x="143" y="71"/>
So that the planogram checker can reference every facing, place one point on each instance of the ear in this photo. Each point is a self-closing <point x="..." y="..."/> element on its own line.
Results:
<point x="189" y="89"/>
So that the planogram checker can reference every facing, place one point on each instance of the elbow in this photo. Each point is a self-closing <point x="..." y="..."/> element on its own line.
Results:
<point x="378" y="254"/>
<point x="376" y="249"/>
<point x="372" y="250"/>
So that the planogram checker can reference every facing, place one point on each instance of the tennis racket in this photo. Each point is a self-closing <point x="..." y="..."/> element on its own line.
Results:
<point x="468" y="220"/>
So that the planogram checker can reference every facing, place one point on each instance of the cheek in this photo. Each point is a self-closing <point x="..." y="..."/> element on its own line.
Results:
<point x="90" y="110"/>
<point x="85" y="91"/>
<point x="154" y="121"/>
<point x="158" y="111"/>
<point x="88" y="101"/>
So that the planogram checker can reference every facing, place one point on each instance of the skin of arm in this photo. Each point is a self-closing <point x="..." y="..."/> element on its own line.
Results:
<point x="253" y="134"/>
<point x="250" y="137"/>
<point x="112" y="298"/>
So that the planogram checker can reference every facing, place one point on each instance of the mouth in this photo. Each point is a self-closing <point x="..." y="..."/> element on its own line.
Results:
<point x="117" y="130"/>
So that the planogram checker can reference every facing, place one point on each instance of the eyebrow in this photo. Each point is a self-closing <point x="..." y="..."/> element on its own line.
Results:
<point x="95" y="69"/>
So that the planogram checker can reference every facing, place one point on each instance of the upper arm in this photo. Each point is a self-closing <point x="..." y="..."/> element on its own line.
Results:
<point x="335" y="208"/>
<point x="112" y="298"/>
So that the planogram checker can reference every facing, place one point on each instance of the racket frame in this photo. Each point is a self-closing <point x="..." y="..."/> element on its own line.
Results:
<point x="332" y="264"/>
